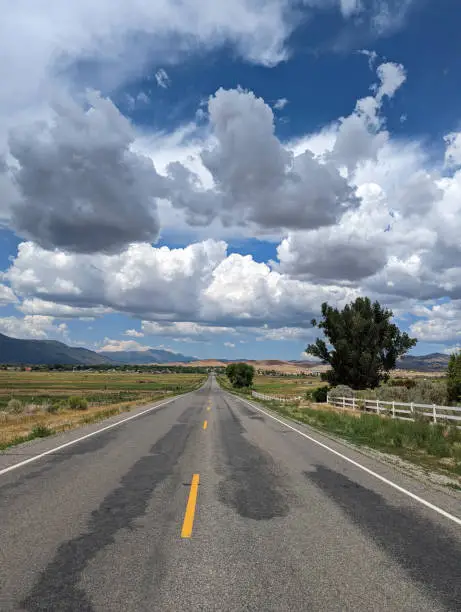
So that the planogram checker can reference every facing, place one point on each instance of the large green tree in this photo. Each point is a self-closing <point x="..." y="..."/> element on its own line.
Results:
<point x="361" y="345"/>
<point x="454" y="378"/>
<point x="240" y="374"/>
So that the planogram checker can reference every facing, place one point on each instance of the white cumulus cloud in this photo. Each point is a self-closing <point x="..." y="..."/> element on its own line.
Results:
<point x="7" y="295"/>
<point x="32" y="326"/>
<point x="134" y="333"/>
<point x="112" y="346"/>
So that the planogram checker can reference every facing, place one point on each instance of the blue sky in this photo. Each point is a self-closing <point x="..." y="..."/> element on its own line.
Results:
<point x="203" y="179"/>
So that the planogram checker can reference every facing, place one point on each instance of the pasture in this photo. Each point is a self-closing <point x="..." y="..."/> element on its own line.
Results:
<point x="34" y="404"/>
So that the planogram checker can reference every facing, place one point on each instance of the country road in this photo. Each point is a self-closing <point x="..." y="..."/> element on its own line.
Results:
<point x="165" y="512"/>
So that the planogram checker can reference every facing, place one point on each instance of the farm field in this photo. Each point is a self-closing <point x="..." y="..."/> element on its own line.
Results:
<point x="286" y="386"/>
<point x="41" y="405"/>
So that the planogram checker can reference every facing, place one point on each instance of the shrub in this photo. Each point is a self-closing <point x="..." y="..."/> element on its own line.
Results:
<point x="40" y="431"/>
<point x="77" y="403"/>
<point x="429" y="392"/>
<point x="50" y="408"/>
<point x="422" y="392"/>
<point x="409" y="383"/>
<point x="390" y="393"/>
<point x="340" y="391"/>
<point x="320" y="394"/>
<point x="14" y="406"/>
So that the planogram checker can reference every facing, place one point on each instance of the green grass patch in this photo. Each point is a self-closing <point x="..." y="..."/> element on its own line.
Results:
<point x="419" y="441"/>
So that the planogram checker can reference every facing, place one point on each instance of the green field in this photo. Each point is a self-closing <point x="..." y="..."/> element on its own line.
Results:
<point x="286" y="386"/>
<point x="97" y="388"/>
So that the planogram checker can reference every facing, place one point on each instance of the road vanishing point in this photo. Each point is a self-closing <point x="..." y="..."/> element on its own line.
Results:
<point x="209" y="502"/>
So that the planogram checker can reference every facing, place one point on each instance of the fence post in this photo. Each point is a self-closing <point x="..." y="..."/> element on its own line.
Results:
<point x="353" y="403"/>
<point x="393" y="410"/>
<point x="377" y="406"/>
<point x="434" y="412"/>
<point x="412" y="409"/>
<point x="344" y="403"/>
<point x="328" y="399"/>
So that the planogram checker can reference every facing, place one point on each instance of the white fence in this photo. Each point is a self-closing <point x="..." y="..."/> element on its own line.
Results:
<point x="399" y="410"/>
<point x="275" y="398"/>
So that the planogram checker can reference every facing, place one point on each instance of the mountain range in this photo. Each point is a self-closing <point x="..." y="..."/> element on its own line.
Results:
<point x="434" y="362"/>
<point x="47" y="352"/>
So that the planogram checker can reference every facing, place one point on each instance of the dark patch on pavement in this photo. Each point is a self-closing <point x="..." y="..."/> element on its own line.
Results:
<point x="58" y="585"/>
<point x="252" y="484"/>
<point x="425" y="550"/>
<point x="47" y="463"/>
<point x="251" y="413"/>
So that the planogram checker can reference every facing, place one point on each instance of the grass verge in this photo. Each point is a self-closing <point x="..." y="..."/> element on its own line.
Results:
<point x="432" y="446"/>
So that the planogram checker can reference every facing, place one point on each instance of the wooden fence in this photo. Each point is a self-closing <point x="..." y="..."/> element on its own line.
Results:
<point x="399" y="410"/>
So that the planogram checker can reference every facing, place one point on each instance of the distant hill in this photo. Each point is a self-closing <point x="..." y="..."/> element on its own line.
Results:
<point x="45" y="352"/>
<point x="146" y="357"/>
<point x="49" y="352"/>
<point x="434" y="362"/>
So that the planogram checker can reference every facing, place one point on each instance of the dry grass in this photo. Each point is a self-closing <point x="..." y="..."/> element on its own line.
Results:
<point x="20" y="426"/>
<point x="107" y="394"/>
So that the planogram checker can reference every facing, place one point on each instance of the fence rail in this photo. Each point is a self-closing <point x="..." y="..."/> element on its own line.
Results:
<point x="399" y="410"/>
<point x="275" y="398"/>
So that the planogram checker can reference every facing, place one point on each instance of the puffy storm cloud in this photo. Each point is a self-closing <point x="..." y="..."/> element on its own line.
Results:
<point x="196" y="291"/>
<point x="81" y="187"/>
<point x="258" y="182"/>
<point x="402" y="240"/>
<point x="256" y="179"/>
<point x="158" y="282"/>
<point x="247" y="292"/>
<point x="350" y="251"/>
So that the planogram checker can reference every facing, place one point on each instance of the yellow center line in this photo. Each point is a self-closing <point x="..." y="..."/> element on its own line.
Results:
<point x="205" y="424"/>
<point x="190" y="508"/>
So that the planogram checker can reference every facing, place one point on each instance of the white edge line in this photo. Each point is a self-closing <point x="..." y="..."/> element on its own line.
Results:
<point x="422" y="501"/>
<point x="90" y="435"/>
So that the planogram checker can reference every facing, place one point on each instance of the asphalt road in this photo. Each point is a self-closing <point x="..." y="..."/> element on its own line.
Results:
<point x="279" y="522"/>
